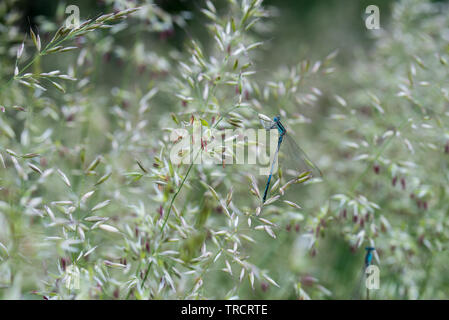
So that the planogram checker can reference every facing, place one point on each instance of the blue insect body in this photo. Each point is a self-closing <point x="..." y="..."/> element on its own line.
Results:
<point x="277" y="123"/>
<point x="369" y="256"/>
<point x="299" y="155"/>
<point x="368" y="261"/>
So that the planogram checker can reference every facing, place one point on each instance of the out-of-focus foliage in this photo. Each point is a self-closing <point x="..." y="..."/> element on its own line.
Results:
<point x="91" y="206"/>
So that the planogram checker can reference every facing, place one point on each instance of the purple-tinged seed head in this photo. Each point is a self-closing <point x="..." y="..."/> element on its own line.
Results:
<point x="403" y="183"/>
<point x="394" y="180"/>
<point x="63" y="263"/>
<point x="308" y="280"/>
<point x="264" y="286"/>
<point x="161" y="211"/>
<point x="367" y="217"/>
<point x="237" y="89"/>
<point x="419" y="204"/>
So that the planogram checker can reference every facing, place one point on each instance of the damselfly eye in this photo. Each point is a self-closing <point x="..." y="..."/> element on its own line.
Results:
<point x="276" y="119"/>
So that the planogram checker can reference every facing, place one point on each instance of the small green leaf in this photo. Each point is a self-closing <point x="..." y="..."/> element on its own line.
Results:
<point x="204" y="123"/>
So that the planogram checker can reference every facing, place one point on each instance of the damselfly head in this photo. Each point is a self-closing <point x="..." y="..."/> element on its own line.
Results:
<point x="277" y="119"/>
<point x="370" y="249"/>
